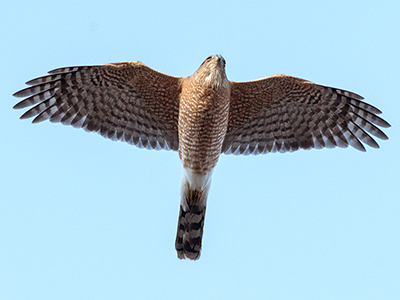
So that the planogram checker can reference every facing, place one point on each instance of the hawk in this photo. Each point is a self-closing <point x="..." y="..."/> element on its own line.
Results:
<point x="201" y="116"/>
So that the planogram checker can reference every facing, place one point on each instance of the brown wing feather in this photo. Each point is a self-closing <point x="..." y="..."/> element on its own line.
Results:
<point x="283" y="113"/>
<point x="122" y="101"/>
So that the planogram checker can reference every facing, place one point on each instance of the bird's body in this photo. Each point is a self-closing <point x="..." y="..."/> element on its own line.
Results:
<point x="201" y="116"/>
<point x="203" y="121"/>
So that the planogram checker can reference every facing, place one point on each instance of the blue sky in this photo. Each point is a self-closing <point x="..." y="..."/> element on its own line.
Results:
<point x="82" y="217"/>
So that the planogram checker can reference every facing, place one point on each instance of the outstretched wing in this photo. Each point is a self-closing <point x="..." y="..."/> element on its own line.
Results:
<point x="121" y="101"/>
<point x="283" y="113"/>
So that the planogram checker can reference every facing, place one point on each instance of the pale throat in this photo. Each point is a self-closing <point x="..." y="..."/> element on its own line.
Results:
<point x="215" y="78"/>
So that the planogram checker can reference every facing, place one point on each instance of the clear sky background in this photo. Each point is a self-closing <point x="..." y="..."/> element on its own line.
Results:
<point x="82" y="217"/>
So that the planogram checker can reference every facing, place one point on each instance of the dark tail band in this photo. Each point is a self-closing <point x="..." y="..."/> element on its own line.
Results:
<point x="190" y="232"/>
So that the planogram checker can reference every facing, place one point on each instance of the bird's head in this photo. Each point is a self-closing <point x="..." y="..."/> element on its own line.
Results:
<point x="212" y="71"/>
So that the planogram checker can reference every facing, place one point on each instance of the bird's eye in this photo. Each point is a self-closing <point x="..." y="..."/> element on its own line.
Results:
<point x="209" y="58"/>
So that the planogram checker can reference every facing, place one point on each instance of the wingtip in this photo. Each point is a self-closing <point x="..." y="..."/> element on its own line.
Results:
<point x="384" y="137"/>
<point x="17" y="106"/>
<point x="20" y="94"/>
<point x="385" y="124"/>
<point x="25" y="116"/>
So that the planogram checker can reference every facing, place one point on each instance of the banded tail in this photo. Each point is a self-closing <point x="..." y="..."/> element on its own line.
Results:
<point x="191" y="217"/>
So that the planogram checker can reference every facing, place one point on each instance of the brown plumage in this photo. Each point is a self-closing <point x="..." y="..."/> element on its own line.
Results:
<point x="202" y="116"/>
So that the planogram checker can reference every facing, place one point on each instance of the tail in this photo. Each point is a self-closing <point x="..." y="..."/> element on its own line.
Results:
<point x="191" y="221"/>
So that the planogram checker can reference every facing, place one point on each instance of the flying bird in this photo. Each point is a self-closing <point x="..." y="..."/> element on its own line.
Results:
<point x="201" y="116"/>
